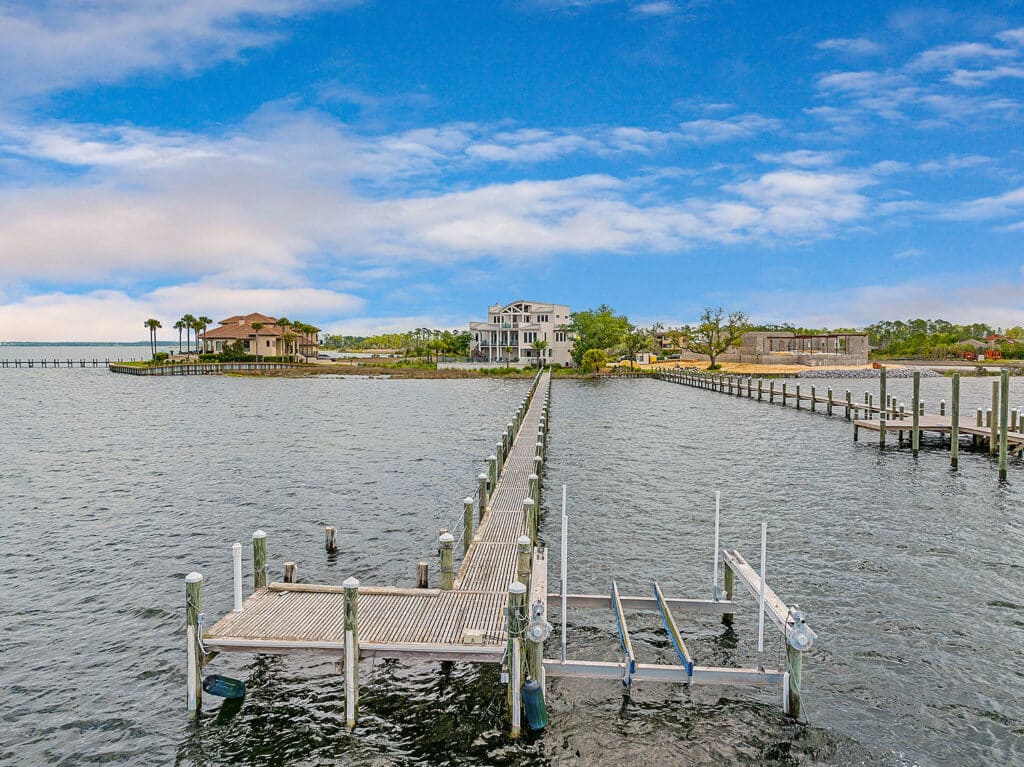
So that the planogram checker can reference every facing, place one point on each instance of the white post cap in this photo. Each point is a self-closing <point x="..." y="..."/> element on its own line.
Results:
<point x="351" y="582"/>
<point x="236" y="546"/>
<point x="259" y="534"/>
<point x="527" y="501"/>
<point x="481" y="475"/>
<point x="524" y="540"/>
<point x="533" y="476"/>
<point x="446" y="538"/>
<point x="516" y="588"/>
<point x="193" y="577"/>
<point x="492" y="458"/>
<point x="467" y="499"/>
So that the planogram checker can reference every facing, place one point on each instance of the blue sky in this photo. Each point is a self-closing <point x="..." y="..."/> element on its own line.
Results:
<point x="384" y="165"/>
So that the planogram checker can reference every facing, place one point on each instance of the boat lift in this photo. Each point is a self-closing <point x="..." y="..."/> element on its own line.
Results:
<point x="788" y="620"/>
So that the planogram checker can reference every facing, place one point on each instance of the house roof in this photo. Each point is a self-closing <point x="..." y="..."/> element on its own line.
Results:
<point x="250" y="318"/>
<point x="233" y="331"/>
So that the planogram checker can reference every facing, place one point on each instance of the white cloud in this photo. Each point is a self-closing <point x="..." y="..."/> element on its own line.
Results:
<point x="857" y="46"/>
<point x="952" y="56"/>
<point x="976" y="78"/>
<point x="655" y="9"/>
<point x="983" y="208"/>
<point x="740" y="127"/>
<point x="953" y="162"/>
<point x="51" y="44"/>
<point x="113" y="315"/>
<point x="909" y="253"/>
<point x="1014" y="36"/>
<point x="995" y="301"/>
<point x="803" y="158"/>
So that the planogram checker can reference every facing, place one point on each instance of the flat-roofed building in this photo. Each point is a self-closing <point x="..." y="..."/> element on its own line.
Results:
<point x="511" y="329"/>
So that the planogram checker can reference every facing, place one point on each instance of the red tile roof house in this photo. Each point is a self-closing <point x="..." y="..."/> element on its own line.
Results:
<point x="271" y="337"/>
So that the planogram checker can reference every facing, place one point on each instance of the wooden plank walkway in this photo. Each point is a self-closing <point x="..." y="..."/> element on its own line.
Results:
<point x="465" y="623"/>
<point x="805" y="396"/>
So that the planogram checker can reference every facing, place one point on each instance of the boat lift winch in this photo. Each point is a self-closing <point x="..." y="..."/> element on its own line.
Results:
<point x="788" y="620"/>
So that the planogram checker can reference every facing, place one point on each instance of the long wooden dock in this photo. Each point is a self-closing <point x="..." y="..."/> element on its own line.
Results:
<point x="1000" y="427"/>
<point x="492" y="609"/>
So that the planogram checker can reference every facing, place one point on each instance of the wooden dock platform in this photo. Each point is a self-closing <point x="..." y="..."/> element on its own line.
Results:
<point x="464" y="623"/>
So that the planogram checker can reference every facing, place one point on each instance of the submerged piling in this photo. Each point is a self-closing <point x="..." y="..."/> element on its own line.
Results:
<point x="954" y="425"/>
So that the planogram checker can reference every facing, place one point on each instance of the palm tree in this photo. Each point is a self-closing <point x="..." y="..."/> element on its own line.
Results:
<point x="508" y="354"/>
<point x="179" y="326"/>
<point x="152" y="325"/>
<point x="539" y="347"/>
<point x="201" y="325"/>
<point x="190" y="322"/>
<point x="287" y="337"/>
<point x="257" y="326"/>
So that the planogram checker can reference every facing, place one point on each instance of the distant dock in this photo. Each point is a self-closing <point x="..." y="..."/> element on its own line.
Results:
<point x="201" y="368"/>
<point x="1000" y="427"/>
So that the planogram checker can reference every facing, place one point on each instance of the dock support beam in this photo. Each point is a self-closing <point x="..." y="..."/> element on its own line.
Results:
<point x="259" y="560"/>
<point x="794" y="663"/>
<point x="954" y="424"/>
<point x="1004" y="419"/>
<point x="915" y="432"/>
<point x="351" y="586"/>
<point x="193" y="609"/>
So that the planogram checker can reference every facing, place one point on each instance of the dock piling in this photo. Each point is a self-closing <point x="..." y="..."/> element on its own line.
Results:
<point x="351" y="586"/>
<point x="524" y="557"/>
<point x="236" y="572"/>
<point x="794" y="667"/>
<point x="954" y="424"/>
<point x="422" y="575"/>
<point x="915" y="433"/>
<point x="290" y="576"/>
<point x="530" y="513"/>
<point x="516" y="632"/>
<point x="1004" y="419"/>
<point x="482" y="495"/>
<point x="992" y="417"/>
<point x="467" y="523"/>
<point x="849" y="402"/>
<point x="259" y="560"/>
<point x="446" y="547"/>
<point x="193" y="627"/>
<point x="330" y="542"/>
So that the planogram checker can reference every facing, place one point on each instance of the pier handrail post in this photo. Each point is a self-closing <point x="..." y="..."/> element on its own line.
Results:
<point x="467" y="523"/>
<point x="828" y="407"/>
<point x="849" y="402"/>
<point x="516" y="623"/>
<point x="259" y="560"/>
<point x="351" y="586"/>
<point x="530" y="513"/>
<point x="784" y="383"/>
<point x="915" y="433"/>
<point x="814" y="398"/>
<point x="524" y="560"/>
<point x="993" y="440"/>
<point x="1004" y="419"/>
<point x="884" y="405"/>
<point x="446" y="547"/>
<point x="193" y="627"/>
<point x="482" y="494"/>
<point x="492" y="473"/>
<point x="236" y="573"/>
<point x="798" y="396"/>
<point x="954" y="424"/>
<point x="534" y="488"/>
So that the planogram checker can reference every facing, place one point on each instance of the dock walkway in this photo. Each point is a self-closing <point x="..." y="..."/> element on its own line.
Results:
<point x="464" y="623"/>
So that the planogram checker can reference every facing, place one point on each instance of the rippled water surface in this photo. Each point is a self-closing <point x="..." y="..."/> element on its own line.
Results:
<point x="114" y="487"/>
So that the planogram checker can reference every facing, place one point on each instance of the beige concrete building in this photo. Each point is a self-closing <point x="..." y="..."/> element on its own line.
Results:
<point x="272" y="340"/>
<point x="511" y="329"/>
